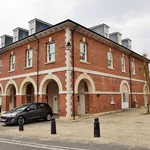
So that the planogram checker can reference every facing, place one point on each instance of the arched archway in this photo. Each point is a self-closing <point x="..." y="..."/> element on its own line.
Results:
<point x="84" y="84"/>
<point x="146" y="92"/>
<point x="11" y="93"/>
<point x="29" y="97"/>
<point x="52" y="95"/>
<point x="89" y="81"/>
<point x="51" y="90"/>
<point x="125" y="90"/>
<point x="50" y="87"/>
<point x="11" y="90"/>
<point x="28" y="90"/>
<point x="43" y="85"/>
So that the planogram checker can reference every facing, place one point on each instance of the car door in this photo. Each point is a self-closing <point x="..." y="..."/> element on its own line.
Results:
<point x="41" y="110"/>
<point x="32" y="112"/>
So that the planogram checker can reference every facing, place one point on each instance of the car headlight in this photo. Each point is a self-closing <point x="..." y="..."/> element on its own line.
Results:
<point x="12" y="115"/>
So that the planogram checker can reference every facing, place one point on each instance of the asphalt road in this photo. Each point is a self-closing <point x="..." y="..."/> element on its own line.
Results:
<point x="24" y="144"/>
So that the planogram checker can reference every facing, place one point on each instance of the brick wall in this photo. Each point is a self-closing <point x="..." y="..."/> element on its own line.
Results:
<point x="97" y="61"/>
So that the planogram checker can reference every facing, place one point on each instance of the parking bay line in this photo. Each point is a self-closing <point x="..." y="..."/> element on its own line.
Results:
<point x="36" y="145"/>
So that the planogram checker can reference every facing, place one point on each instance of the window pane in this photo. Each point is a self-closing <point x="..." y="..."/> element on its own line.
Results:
<point x="52" y="48"/>
<point x="30" y="53"/>
<point x="83" y="51"/>
<point x="51" y="52"/>
<point x="109" y="55"/>
<point x="109" y="63"/>
<point x="52" y="57"/>
<point x="13" y="58"/>
<point x="81" y="47"/>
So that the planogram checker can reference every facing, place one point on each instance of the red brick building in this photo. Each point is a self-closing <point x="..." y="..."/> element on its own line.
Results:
<point x="92" y="75"/>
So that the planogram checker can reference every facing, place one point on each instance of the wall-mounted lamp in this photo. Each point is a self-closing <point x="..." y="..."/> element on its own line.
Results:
<point x="68" y="45"/>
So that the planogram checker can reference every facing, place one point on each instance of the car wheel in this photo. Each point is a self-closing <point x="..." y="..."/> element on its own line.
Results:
<point x="48" y="117"/>
<point x="23" y="120"/>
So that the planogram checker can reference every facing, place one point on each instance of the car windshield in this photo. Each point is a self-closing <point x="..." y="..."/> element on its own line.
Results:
<point x="21" y="107"/>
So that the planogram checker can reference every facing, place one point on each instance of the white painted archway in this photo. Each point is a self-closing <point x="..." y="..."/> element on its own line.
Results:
<point x="28" y="90"/>
<point x="51" y="87"/>
<point x="125" y="91"/>
<point x="24" y="84"/>
<point x="127" y="84"/>
<point x="45" y="80"/>
<point x="89" y="81"/>
<point x="83" y="86"/>
<point x="7" y="88"/>
<point x="11" y="90"/>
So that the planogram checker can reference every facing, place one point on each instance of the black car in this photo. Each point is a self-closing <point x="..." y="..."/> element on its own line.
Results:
<point x="27" y="112"/>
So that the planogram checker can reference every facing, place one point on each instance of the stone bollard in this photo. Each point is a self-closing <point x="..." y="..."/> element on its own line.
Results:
<point x="53" y="126"/>
<point x="21" y="124"/>
<point x="96" y="128"/>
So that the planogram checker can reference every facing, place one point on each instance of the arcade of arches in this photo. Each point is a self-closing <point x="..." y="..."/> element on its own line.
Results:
<point x="50" y="91"/>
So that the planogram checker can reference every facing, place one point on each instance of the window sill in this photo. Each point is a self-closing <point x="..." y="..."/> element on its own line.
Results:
<point x="124" y="72"/>
<point x="134" y="74"/>
<point x="11" y="71"/>
<point x="27" y="67"/>
<point x="112" y="103"/>
<point x="85" y="62"/>
<point x="50" y="62"/>
<point x="111" y="68"/>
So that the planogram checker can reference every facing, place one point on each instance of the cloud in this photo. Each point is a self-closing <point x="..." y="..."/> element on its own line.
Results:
<point x="131" y="18"/>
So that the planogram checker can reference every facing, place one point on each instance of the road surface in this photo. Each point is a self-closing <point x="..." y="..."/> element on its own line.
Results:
<point x="9" y="144"/>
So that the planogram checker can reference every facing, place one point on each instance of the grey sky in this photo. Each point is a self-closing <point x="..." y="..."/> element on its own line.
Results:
<point x="129" y="17"/>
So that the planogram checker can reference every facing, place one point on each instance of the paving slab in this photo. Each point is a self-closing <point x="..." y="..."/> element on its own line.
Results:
<point x="127" y="128"/>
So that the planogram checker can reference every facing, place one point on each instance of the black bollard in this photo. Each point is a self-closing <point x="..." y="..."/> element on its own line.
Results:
<point x="53" y="126"/>
<point x="21" y="124"/>
<point x="96" y="128"/>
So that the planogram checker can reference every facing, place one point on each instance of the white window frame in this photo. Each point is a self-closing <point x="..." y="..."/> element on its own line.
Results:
<point x="0" y="65"/>
<point x="12" y="62"/>
<point x="83" y="52"/>
<point x="123" y="64"/>
<point x="110" y="59"/>
<point x="51" y="52"/>
<point x="133" y="66"/>
<point x="29" y="56"/>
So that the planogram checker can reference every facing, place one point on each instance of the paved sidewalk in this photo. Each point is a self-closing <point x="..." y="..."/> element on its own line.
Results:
<point x="128" y="128"/>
